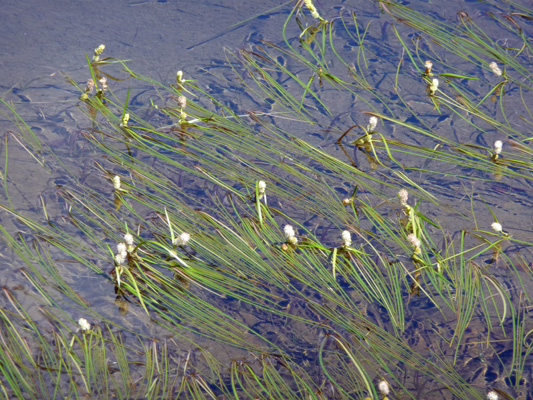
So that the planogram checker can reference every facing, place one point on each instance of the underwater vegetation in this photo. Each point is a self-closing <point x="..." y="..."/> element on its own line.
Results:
<point x="355" y="226"/>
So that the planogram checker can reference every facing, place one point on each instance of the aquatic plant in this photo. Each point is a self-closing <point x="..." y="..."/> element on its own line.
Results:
<point x="335" y="287"/>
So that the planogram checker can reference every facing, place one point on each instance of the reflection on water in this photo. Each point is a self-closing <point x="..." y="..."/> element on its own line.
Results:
<point x="161" y="38"/>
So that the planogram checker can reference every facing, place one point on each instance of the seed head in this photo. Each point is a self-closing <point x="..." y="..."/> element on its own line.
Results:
<point x="84" y="325"/>
<point x="99" y="50"/>
<point x="128" y="238"/>
<point x="495" y="69"/>
<point x="89" y="88"/>
<point x="290" y="236"/>
<point x="428" y="65"/>
<point x="261" y="188"/>
<point x="492" y="395"/>
<point x="121" y="247"/>
<point x="347" y="238"/>
<point x="433" y="86"/>
<point x="403" y="195"/>
<point x="372" y="123"/>
<point x="311" y="7"/>
<point x="179" y="77"/>
<point x="415" y="243"/>
<point x="413" y="240"/>
<point x="498" y="145"/>
<point x="182" y="239"/>
<point x="182" y="101"/>
<point x="497" y="227"/>
<point x="120" y="258"/>
<point x="124" y="122"/>
<point x="183" y="117"/>
<point x="116" y="182"/>
<point x="103" y="83"/>
<point x="384" y="388"/>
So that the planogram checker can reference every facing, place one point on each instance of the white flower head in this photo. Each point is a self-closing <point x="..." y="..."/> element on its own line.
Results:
<point x="372" y="123"/>
<point x="497" y="227"/>
<point x="403" y="195"/>
<point x="495" y="69"/>
<point x="428" y="65"/>
<point x="124" y="122"/>
<point x="498" y="145"/>
<point x="120" y="258"/>
<point x="261" y="188"/>
<point x="492" y="395"/>
<point x="103" y="83"/>
<point x="433" y="86"/>
<point x="383" y="387"/>
<point x="182" y="239"/>
<point x="311" y="7"/>
<point x="121" y="247"/>
<point x="414" y="241"/>
<point x="179" y="77"/>
<point x="122" y="254"/>
<point x="89" y="88"/>
<point x="347" y="238"/>
<point x="182" y="101"/>
<point x="290" y="236"/>
<point x="116" y="182"/>
<point x="84" y="325"/>
<point x="99" y="50"/>
<point x="128" y="238"/>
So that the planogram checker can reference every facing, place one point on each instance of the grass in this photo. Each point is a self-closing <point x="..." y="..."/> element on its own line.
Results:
<point x="241" y="308"/>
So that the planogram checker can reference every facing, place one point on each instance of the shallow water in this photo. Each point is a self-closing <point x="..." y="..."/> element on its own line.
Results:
<point x="160" y="38"/>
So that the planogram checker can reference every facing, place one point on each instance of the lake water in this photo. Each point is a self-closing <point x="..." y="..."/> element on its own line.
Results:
<point x="42" y="43"/>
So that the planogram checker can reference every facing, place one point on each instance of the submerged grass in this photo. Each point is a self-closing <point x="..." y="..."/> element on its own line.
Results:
<point x="264" y="293"/>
